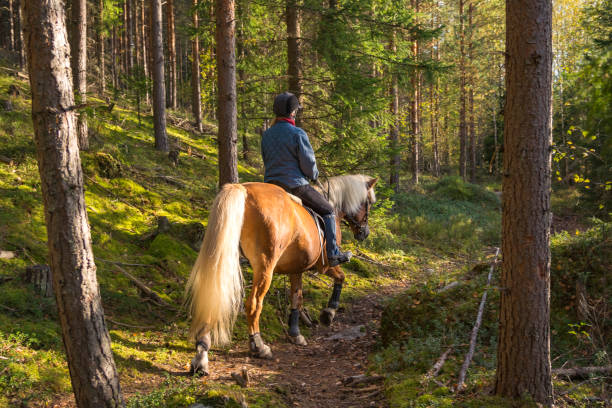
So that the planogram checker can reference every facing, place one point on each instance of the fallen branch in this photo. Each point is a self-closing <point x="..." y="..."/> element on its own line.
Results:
<point x="9" y="308"/>
<point x="171" y="181"/>
<point x="448" y="287"/>
<point x="364" y="257"/>
<point x="6" y="160"/>
<point x="362" y="379"/>
<point x="470" y="354"/>
<point x="108" y="319"/>
<point x="581" y="372"/>
<point x="438" y="365"/>
<point x="305" y="318"/>
<point x="144" y="288"/>
<point x="123" y="263"/>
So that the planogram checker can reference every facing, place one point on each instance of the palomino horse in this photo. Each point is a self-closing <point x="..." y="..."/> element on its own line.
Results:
<point x="277" y="235"/>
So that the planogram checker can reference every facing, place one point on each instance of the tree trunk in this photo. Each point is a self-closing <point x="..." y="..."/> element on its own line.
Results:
<point x="416" y="154"/>
<point x="294" y="56"/>
<point x="88" y="347"/>
<point x="395" y="163"/>
<point x="472" y="130"/>
<point x="21" y="42"/>
<point x="462" y="96"/>
<point x="78" y="48"/>
<point x="130" y="36"/>
<point x="159" y="86"/>
<point x="523" y="357"/>
<point x="196" y="99"/>
<point x="11" y="18"/>
<point x="226" y="103"/>
<point x="101" y="56"/>
<point x="114" y="59"/>
<point x="172" y="103"/>
<point x="143" y="45"/>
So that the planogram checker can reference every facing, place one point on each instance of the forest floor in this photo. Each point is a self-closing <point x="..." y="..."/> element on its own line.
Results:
<point x="422" y="240"/>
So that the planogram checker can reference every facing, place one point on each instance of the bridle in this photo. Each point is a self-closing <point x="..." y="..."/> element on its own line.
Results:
<point x="350" y="221"/>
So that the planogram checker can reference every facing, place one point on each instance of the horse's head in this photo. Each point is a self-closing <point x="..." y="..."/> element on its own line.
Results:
<point x="357" y="221"/>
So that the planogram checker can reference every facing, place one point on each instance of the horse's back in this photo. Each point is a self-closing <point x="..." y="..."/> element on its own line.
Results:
<point x="277" y="229"/>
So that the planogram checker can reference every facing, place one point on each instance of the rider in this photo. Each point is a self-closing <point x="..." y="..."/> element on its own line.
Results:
<point x="289" y="162"/>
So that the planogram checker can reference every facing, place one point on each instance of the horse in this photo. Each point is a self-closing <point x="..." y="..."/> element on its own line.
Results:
<point x="277" y="235"/>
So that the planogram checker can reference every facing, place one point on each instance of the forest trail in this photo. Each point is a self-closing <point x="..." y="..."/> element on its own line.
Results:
<point x="315" y="375"/>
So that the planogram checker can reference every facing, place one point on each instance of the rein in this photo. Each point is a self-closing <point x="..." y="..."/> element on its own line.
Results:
<point x="350" y="221"/>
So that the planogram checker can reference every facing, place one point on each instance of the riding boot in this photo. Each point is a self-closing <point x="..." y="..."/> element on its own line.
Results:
<point x="334" y="255"/>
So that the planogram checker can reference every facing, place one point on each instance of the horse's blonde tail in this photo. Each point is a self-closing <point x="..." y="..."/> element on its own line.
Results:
<point x="214" y="290"/>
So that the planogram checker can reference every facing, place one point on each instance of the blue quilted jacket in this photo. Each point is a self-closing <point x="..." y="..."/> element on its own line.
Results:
<point x="288" y="156"/>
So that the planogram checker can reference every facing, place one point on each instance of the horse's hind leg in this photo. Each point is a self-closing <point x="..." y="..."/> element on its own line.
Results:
<point x="327" y="315"/>
<point x="262" y="278"/>
<point x="199" y="363"/>
<point x="296" y="305"/>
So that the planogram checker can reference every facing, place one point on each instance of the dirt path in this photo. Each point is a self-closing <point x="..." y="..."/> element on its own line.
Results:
<point x="313" y="376"/>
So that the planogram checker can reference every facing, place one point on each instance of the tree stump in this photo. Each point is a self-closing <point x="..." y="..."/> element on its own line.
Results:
<point x="40" y="276"/>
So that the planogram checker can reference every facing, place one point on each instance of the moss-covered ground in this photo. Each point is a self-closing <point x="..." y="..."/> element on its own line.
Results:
<point x="427" y="238"/>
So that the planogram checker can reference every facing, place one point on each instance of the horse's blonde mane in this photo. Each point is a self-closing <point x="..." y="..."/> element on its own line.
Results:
<point x="347" y="193"/>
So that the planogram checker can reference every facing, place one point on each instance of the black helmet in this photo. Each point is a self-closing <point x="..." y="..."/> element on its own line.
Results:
<point x="284" y="104"/>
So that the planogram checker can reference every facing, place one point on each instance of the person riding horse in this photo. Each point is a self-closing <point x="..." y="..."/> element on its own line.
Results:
<point x="290" y="162"/>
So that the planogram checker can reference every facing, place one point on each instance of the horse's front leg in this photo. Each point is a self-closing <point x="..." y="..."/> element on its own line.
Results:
<point x="327" y="315"/>
<point x="296" y="305"/>
<point x="199" y="363"/>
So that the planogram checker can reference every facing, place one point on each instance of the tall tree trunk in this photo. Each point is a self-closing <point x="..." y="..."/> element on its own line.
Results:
<point x="472" y="136"/>
<point x="462" y="96"/>
<point x="101" y="56"/>
<point x="88" y="347"/>
<point x="433" y="101"/>
<point x="11" y="18"/>
<point x="523" y="356"/>
<point x="114" y="59"/>
<point x="130" y="36"/>
<point x="415" y="105"/>
<point x="172" y="103"/>
<point x="20" y="41"/>
<point x="395" y="163"/>
<point x="159" y="86"/>
<point x="471" y="80"/>
<point x="143" y="45"/>
<point x="78" y="48"/>
<point x="226" y="103"/>
<point x="196" y="99"/>
<point x="294" y="56"/>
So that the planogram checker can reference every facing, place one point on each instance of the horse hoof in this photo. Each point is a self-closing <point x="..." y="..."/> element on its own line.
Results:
<point x="327" y="316"/>
<point x="265" y="352"/>
<point x="298" y="340"/>
<point x="198" y="370"/>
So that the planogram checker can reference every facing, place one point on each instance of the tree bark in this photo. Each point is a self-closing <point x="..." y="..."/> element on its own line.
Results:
<point x="88" y="347"/>
<point x="21" y="42"/>
<point x="462" y="96"/>
<point x="172" y="103"/>
<point x="196" y="99"/>
<point x="143" y="48"/>
<point x="395" y="163"/>
<point x="114" y="59"/>
<point x="523" y="357"/>
<point x="11" y="18"/>
<point x="226" y="105"/>
<point x="472" y="130"/>
<point x="78" y="48"/>
<point x="294" y="57"/>
<point x="101" y="56"/>
<point x="416" y="82"/>
<point x="159" y="86"/>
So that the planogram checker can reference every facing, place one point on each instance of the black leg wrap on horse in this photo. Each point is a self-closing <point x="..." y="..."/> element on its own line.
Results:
<point x="294" y="320"/>
<point x="334" y="301"/>
<point x="203" y="343"/>
<point x="255" y="342"/>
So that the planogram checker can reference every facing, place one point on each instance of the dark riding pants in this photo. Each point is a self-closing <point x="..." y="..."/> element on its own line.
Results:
<point x="311" y="198"/>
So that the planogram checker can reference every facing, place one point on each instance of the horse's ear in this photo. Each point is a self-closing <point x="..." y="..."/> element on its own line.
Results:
<point x="371" y="182"/>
